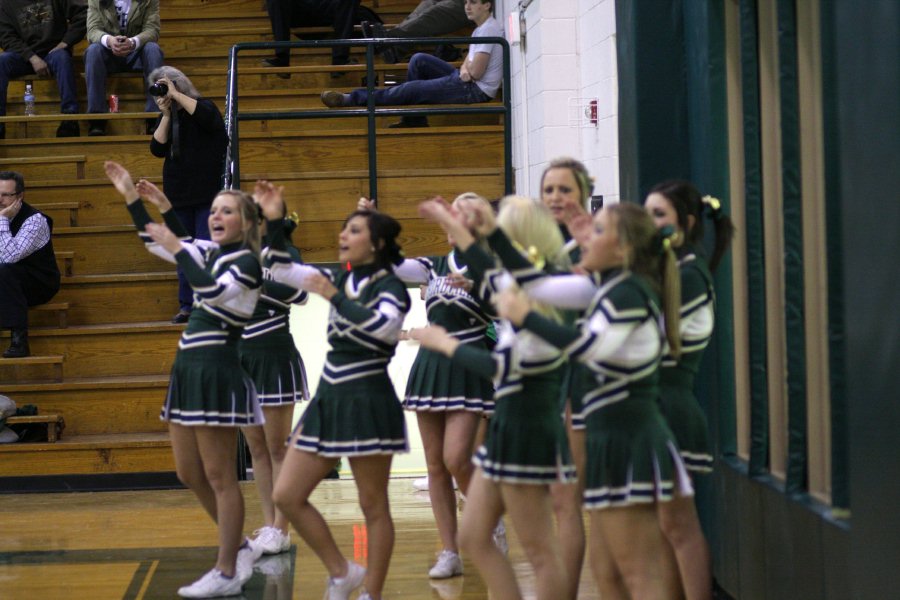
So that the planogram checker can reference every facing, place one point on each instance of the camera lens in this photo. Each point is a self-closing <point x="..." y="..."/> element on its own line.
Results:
<point x="158" y="89"/>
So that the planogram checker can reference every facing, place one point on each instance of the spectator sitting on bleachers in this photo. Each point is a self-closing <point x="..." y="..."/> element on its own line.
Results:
<point x="430" y="18"/>
<point x="37" y="37"/>
<point x="430" y="80"/>
<point x="341" y="15"/>
<point x="29" y="274"/>
<point x="123" y="36"/>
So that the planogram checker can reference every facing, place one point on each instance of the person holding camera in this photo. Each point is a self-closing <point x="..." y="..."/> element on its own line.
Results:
<point x="123" y="36"/>
<point x="190" y="136"/>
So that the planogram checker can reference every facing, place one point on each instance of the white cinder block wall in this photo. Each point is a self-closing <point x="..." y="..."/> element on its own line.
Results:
<point x="567" y="58"/>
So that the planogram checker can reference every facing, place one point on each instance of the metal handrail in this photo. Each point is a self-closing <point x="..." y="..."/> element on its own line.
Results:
<point x="231" y="175"/>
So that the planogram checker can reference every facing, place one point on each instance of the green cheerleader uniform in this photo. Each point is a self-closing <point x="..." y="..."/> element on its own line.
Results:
<point x="435" y="382"/>
<point x="526" y="441"/>
<point x="355" y="411"/>
<point x="207" y="385"/>
<point x="676" y="378"/>
<point x="576" y="379"/>
<point x="632" y="456"/>
<point x="267" y="349"/>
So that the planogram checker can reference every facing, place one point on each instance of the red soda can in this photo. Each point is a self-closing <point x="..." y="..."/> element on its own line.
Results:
<point x="113" y="103"/>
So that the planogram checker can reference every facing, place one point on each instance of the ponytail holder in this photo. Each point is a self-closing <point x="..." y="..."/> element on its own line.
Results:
<point x="290" y="222"/>
<point x="664" y="239"/>
<point x="532" y="254"/>
<point x="714" y="205"/>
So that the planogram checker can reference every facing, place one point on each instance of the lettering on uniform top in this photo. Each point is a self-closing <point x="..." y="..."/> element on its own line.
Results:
<point x="267" y="274"/>
<point x="441" y="286"/>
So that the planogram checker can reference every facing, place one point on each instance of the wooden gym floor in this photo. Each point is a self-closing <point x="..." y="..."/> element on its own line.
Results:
<point x="143" y="545"/>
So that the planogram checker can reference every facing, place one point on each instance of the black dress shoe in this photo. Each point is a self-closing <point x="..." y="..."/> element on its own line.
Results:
<point x="405" y="122"/>
<point x="97" y="128"/>
<point x="18" y="346"/>
<point x="339" y="74"/>
<point x="275" y="63"/>
<point x="68" y="129"/>
<point x="181" y="316"/>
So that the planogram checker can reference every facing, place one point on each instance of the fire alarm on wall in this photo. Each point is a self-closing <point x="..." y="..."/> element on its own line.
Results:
<point x="584" y="112"/>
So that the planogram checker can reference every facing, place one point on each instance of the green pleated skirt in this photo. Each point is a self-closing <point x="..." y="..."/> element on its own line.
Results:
<point x="436" y="383"/>
<point x="277" y="370"/>
<point x="526" y="439"/>
<point x="687" y="420"/>
<point x="632" y="457"/>
<point x="359" y="417"/>
<point x="208" y="387"/>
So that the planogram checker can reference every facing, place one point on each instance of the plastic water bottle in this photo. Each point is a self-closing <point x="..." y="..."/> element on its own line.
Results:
<point x="29" y="100"/>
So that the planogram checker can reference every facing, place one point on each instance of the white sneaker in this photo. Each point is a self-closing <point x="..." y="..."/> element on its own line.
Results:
<point x="448" y="564"/>
<point x="212" y="585"/>
<point x="276" y="565"/>
<point x="243" y="565"/>
<point x="270" y="540"/>
<point x="500" y="537"/>
<point x="339" y="588"/>
<point x="421" y="484"/>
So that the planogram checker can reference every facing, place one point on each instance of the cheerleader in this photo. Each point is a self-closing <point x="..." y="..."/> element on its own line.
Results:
<point x="448" y="399"/>
<point x="269" y="355"/>
<point x="633" y="465"/>
<point x="355" y="412"/>
<point x="565" y="189"/>
<point x="678" y="205"/>
<point x="525" y="449"/>
<point x="209" y="395"/>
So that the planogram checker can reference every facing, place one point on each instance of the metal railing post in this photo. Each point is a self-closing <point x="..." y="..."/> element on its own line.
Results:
<point x="370" y="121"/>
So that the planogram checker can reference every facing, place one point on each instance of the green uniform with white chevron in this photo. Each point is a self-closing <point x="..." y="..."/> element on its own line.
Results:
<point x="632" y="456"/>
<point x="679" y="405"/>
<point x="355" y="411"/>
<point x="526" y="441"/>
<point x="268" y="352"/>
<point x="435" y="382"/>
<point x="207" y="385"/>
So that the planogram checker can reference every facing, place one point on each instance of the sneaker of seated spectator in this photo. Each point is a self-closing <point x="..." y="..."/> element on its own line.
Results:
<point x="68" y="129"/>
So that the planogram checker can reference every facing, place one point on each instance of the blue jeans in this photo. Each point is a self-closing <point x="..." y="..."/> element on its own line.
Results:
<point x="59" y="62"/>
<point x="429" y="81"/>
<point x="196" y="221"/>
<point x="99" y="61"/>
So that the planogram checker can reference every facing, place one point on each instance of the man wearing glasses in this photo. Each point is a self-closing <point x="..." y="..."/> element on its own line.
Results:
<point x="28" y="272"/>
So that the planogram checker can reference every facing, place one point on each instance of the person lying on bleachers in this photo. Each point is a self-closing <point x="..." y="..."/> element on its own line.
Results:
<point x="430" y="80"/>
<point x="37" y="37"/>
<point x="431" y="18"/>
<point x="29" y="274"/>
<point x="123" y="36"/>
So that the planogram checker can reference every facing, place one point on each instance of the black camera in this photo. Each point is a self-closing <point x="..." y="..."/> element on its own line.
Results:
<point x="158" y="89"/>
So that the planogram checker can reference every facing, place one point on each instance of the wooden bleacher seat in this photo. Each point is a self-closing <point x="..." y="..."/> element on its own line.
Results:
<point x="61" y="308"/>
<point x="55" y="424"/>
<point x="19" y="364"/>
